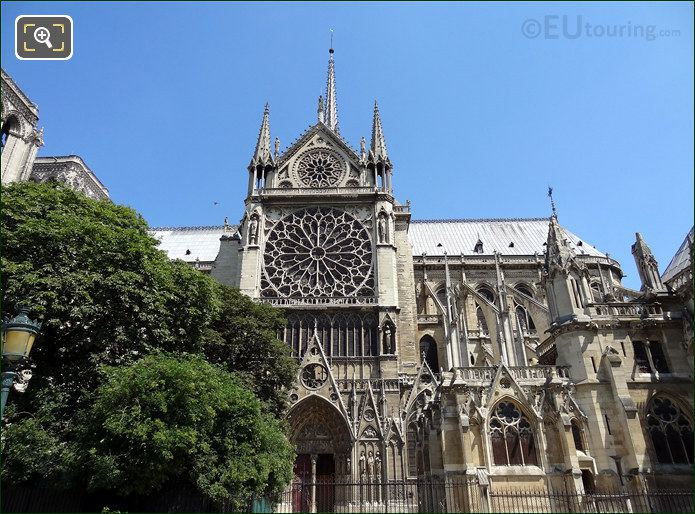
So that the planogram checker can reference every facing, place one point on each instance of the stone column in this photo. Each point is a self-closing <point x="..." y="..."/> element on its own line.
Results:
<point x="312" y="506"/>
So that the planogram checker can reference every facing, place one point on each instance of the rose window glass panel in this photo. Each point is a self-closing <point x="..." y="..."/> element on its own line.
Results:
<point x="318" y="252"/>
<point x="320" y="168"/>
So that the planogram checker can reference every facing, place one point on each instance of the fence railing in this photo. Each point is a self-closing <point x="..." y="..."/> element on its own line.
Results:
<point x="463" y="493"/>
<point x="451" y="493"/>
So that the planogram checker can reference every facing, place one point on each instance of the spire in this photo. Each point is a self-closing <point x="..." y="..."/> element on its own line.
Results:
<point x="559" y="254"/>
<point x="262" y="154"/>
<point x="378" y="148"/>
<point x="647" y="266"/>
<point x="552" y="202"/>
<point x="330" y="112"/>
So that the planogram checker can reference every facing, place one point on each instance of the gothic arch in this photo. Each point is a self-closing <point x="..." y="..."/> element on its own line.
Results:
<point x="428" y="346"/>
<point x="577" y="428"/>
<point x="524" y="288"/>
<point x="318" y="426"/>
<point x="486" y="291"/>
<point x="12" y="126"/>
<point x="669" y="426"/>
<point x="512" y="429"/>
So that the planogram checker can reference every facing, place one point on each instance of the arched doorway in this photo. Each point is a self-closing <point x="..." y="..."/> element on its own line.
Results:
<point x="323" y="443"/>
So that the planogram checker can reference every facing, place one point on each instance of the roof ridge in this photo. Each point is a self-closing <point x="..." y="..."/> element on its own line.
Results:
<point x="477" y="220"/>
<point x="198" y="227"/>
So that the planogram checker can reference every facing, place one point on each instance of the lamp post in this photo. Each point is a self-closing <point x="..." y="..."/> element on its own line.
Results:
<point x="18" y="335"/>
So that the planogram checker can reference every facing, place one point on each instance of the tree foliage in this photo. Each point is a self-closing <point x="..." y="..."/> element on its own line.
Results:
<point x="108" y="296"/>
<point x="166" y="416"/>
<point x="243" y="338"/>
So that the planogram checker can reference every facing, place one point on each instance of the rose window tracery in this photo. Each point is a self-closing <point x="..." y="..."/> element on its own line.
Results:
<point x="318" y="252"/>
<point x="320" y="168"/>
<point x="314" y="376"/>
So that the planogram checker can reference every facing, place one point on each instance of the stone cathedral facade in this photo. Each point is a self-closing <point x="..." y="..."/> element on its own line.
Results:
<point x="506" y="349"/>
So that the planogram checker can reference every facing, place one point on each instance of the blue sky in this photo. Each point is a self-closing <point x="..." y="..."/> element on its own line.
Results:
<point x="164" y="101"/>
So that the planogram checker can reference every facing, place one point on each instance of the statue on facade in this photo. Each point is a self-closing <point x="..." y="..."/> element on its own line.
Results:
<point x="363" y="466"/>
<point x="370" y="465"/>
<point x="377" y="465"/>
<point x="387" y="339"/>
<point x="253" y="231"/>
<point x="383" y="236"/>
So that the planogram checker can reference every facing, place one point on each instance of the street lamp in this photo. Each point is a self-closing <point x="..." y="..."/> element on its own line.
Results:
<point x="18" y="335"/>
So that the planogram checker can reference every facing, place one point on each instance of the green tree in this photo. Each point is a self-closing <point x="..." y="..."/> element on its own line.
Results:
<point x="91" y="271"/>
<point x="108" y="296"/>
<point x="243" y="338"/>
<point x="167" y="417"/>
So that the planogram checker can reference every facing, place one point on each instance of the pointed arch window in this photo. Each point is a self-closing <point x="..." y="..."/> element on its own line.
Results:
<point x="487" y="293"/>
<point x="596" y="292"/>
<point x="482" y="323"/>
<point x="524" y="289"/>
<point x="428" y="352"/>
<point x="671" y="432"/>
<point x="525" y="321"/>
<point x="577" y="436"/>
<point x="512" y="436"/>
<point x="411" y="438"/>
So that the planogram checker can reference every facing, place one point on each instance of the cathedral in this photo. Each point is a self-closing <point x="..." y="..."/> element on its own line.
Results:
<point x="504" y="351"/>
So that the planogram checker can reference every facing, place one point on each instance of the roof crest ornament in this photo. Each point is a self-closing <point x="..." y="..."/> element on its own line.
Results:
<point x="552" y="202"/>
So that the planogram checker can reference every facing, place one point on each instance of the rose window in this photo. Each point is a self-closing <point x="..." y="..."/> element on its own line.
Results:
<point x="318" y="252"/>
<point x="320" y="168"/>
<point x="314" y="376"/>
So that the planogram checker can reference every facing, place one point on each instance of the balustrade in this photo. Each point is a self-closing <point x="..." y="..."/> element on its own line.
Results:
<point x="520" y="373"/>
<point x="629" y="310"/>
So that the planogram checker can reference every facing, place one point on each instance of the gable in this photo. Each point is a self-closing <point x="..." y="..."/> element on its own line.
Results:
<point x="320" y="158"/>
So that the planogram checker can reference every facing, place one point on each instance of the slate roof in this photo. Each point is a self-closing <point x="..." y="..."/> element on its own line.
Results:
<point x="456" y="237"/>
<point x="202" y="243"/>
<point x="680" y="261"/>
<point x="460" y="237"/>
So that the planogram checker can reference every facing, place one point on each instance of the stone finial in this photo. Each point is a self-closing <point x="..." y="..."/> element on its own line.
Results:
<point x="262" y="153"/>
<point x="647" y="266"/>
<point x="378" y="146"/>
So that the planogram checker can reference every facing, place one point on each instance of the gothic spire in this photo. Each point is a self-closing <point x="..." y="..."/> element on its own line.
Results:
<point x="262" y="154"/>
<point x="647" y="266"/>
<point x="378" y="148"/>
<point x="559" y="253"/>
<point x="330" y="112"/>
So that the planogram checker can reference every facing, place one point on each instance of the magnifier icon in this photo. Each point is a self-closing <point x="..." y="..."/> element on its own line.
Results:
<point x="42" y="36"/>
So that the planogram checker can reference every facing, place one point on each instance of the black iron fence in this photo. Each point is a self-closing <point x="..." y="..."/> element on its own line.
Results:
<point x="464" y="493"/>
<point x="457" y="493"/>
<point x="608" y="501"/>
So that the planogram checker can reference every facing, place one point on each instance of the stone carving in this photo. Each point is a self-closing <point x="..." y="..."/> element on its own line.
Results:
<point x="387" y="339"/>
<point x="253" y="230"/>
<point x="369" y="433"/>
<point x="382" y="229"/>
<point x="369" y="415"/>
<point x="320" y="168"/>
<point x="377" y="465"/>
<point x="318" y="252"/>
<point x="314" y="376"/>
